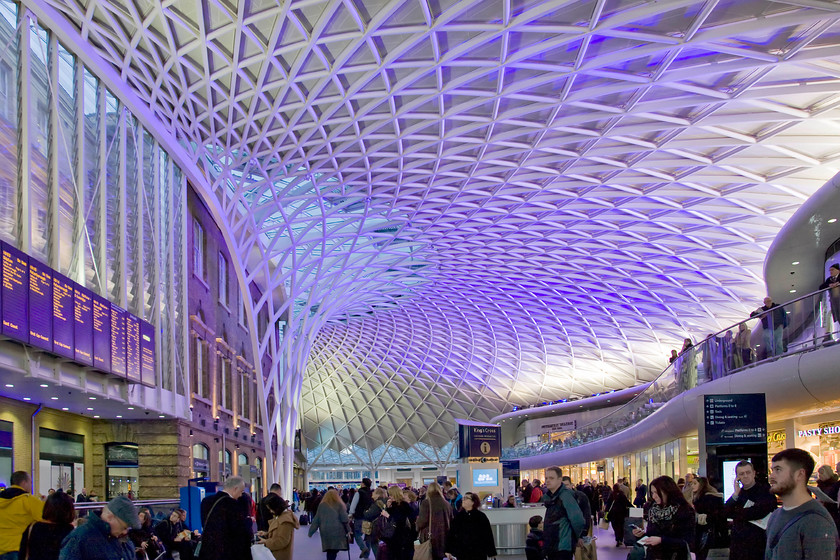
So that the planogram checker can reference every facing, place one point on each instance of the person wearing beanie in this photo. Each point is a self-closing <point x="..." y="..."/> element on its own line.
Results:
<point x="104" y="537"/>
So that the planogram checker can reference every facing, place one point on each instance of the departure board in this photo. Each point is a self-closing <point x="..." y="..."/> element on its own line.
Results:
<point x="63" y="310"/>
<point x="83" y="325"/>
<point x="132" y="347"/>
<point x="147" y="353"/>
<point x="40" y="305"/>
<point x="118" y="340"/>
<point x="101" y="333"/>
<point x="15" y="293"/>
<point x="45" y="309"/>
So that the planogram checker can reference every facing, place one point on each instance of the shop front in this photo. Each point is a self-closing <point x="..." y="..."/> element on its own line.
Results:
<point x="122" y="470"/>
<point x="6" y="463"/>
<point x="61" y="461"/>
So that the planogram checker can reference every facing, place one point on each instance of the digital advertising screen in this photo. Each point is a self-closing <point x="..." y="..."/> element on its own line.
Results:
<point x="119" y="341"/>
<point x="83" y="325"/>
<point x="40" y="305"/>
<point x="485" y="477"/>
<point x="63" y="311"/>
<point x="729" y="477"/>
<point x="15" y="293"/>
<point x="132" y="347"/>
<point x="101" y="333"/>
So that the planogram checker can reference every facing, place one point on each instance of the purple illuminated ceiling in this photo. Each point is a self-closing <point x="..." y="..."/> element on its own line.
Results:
<point x="473" y="204"/>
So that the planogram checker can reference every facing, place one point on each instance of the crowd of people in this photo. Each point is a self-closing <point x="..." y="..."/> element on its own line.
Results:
<point x="673" y="519"/>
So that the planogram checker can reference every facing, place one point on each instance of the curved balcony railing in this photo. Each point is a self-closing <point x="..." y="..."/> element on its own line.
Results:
<point x="800" y="325"/>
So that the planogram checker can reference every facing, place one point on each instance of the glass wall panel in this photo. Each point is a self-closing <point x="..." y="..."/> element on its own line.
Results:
<point x="39" y="129"/>
<point x="66" y="141"/>
<point x="8" y="119"/>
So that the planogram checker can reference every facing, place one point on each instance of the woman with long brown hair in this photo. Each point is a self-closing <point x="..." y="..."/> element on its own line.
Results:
<point x="332" y="521"/>
<point x="671" y="522"/>
<point x="434" y="519"/>
<point x="712" y="530"/>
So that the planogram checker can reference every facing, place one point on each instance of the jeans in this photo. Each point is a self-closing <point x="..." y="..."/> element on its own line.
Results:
<point x="13" y="555"/>
<point x="332" y="554"/>
<point x="360" y="538"/>
<point x="373" y="545"/>
<point x="773" y="341"/>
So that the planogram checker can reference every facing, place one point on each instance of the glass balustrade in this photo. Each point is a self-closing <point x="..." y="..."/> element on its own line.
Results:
<point x="800" y="325"/>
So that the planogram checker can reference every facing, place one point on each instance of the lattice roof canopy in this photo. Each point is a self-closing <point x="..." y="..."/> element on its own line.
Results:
<point x="473" y="203"/>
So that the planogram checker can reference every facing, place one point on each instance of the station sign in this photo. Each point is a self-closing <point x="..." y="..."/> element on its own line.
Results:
<point x="735" y="419"/>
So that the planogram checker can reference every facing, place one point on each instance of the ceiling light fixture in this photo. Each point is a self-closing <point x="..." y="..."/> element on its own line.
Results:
<point x="27" y="398"/>
<point x="9" y="385"/>
<point x="794" y="263"/>
<point x="44" y="385"/>
<point x="832" y="220"/>
<point x="90" y="408"/>
<point x="54" y="398"/>
<point x="64" y="408"/>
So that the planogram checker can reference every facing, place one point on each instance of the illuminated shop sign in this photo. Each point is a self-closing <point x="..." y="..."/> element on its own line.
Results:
<point x="824" y="431"/>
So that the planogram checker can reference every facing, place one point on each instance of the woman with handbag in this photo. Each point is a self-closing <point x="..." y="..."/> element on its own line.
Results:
<point x="369" y="518"/>
<point x="280" y="537"/>
<point x="433" y="522"/>
<point x="401" y="518"/>
<point x="332" y="521"/>
<point x="470" y="536"/>
<point x="712" y="529"/>
<point x="618" y="507"/>
<point x="671" y="522"/>
<point x="42" y="539"/>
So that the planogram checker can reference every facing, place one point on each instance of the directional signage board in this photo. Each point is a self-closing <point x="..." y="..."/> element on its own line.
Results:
<point x="735" y="419"/>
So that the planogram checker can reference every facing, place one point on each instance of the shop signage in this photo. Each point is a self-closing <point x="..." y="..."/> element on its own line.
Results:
<point x="824" y="431"/>
<point x="735" y="419"/>
<point x="483" y="460"/>
<point x="479" y="441"/>
<point x="776" y="437"/>
<point x="200" y="465"/>
<point x="566" y="426"/>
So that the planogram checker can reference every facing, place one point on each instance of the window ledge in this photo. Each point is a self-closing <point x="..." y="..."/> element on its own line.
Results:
<point x="202" y="281"/>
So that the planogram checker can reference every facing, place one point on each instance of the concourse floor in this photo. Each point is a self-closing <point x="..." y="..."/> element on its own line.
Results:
<point x="306" y="548"/>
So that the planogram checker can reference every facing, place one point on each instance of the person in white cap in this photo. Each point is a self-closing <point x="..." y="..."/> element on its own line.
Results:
<point x="103" y="537"/>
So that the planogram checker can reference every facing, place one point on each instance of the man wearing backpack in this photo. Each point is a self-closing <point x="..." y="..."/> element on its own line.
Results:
<point x="802" y="528"/>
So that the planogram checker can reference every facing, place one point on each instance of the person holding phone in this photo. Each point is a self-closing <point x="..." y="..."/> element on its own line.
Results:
<point x="751" y="500"/>
<point x="671" y="523"/>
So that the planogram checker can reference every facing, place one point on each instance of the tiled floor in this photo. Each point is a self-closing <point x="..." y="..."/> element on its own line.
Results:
<point x="307" y="548"/>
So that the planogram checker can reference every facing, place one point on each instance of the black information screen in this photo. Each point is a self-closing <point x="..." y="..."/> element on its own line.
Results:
<point x="83" y="325"/>
<point x="132" y="347"/>
<point x="15" y="293"/>
<point x="63" y="316"/>
<point x="735" y="419"/>
<point x="40" y="305"/>
<point x="101" y="333"/>
<point x="147" y="353"/>
<point x="118" y="340"/>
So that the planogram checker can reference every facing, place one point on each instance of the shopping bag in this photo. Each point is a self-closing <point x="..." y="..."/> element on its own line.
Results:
<point x="604" y="524"/>
<point x="260" y="552"/>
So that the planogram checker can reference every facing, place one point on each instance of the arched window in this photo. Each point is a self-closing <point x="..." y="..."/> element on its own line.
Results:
<point x="256" y="481"/>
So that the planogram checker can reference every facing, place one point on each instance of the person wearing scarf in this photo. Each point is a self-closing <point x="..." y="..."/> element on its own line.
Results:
<point x="671" y="522"/>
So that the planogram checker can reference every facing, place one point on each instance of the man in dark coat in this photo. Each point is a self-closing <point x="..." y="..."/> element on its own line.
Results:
<point x="751" y="502"/>
<point x="263" y="513"/>
<point x="227" y="534"/>
<point x="103" y="537"/>
<point x="362" y="500"/>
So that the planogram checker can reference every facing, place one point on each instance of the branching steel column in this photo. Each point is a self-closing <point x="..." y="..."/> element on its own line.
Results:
<point x="53" y="249"/>
<point x="24" y="217"/>
<point x="79" y="241"/>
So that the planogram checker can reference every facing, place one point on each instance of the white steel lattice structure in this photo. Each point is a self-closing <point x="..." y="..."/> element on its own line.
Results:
<point x="455" y="205"/>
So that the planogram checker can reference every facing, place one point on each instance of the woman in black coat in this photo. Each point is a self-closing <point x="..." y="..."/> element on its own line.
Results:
<point x="399" y="513"/>
<point x="470" y="536"/>
<point x="42" y="539"/>
<point x="618" y="508"/>
<point x="712" y="529"/>
<point x="670" y="527"/>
